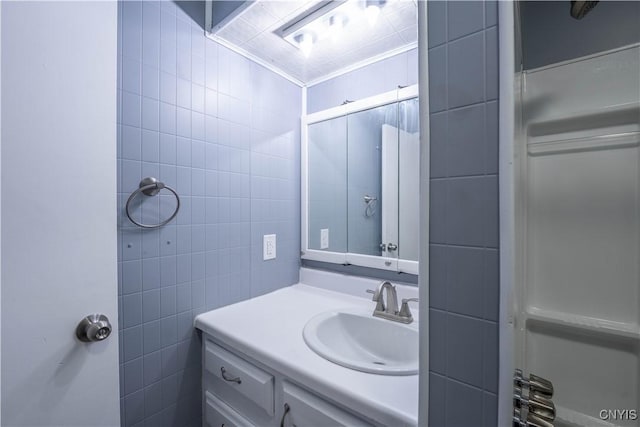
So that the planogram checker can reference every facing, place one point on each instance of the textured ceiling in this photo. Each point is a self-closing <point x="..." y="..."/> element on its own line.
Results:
<point x="255" y="30"/>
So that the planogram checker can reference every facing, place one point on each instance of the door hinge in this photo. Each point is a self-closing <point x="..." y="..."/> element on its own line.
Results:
<point x="535" y="409"/>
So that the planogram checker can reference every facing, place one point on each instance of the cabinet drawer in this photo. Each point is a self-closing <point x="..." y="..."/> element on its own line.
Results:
<point x="237" y="373"/>
<point x="307" y="409"/>
<point x="219" y="414"/>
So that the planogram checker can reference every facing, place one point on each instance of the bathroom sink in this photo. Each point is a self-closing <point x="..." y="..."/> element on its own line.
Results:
<point x="357" y="340"/>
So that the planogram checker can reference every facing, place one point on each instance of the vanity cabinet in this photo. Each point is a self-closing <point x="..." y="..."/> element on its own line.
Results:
<point x="218" y="413"/>
<point x="248" y="380"/>
<point x="241" y="392"/>
<point x="306" y="409"/>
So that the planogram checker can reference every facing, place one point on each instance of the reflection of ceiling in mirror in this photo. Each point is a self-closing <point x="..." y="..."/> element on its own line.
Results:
<point x="258" y="32"/>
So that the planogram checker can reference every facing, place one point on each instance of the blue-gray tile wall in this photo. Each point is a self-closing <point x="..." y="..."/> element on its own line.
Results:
<point x="463" y="252"/>
<point x="224" y="132"/>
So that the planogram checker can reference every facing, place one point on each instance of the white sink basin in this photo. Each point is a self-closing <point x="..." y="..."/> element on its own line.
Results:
<point x="357" y="340"/>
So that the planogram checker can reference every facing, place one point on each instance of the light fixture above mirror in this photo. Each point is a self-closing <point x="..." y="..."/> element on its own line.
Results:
<point x="372" y="10"/>
<point x="327" y="22"/>
<point x="339" y="36"/>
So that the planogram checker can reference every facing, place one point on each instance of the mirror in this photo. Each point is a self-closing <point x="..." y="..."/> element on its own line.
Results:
<point x="362" y="169"/>
<point x="409" y="180"/>
<point x="367" y="132"/>
<point x="327" y="169"/>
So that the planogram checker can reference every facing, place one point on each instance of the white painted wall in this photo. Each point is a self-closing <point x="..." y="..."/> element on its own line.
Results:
<point x="508" y="116"/>
<point x="58" y="169"/>
<point x="423" y="281"/>
<point x="0" y="211"/>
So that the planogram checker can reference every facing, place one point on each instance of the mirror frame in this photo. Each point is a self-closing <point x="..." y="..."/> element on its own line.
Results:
<point x="347" y="258"/>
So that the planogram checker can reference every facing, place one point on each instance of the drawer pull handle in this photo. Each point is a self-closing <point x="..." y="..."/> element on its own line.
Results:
<point x="287" y="408"/>
<point x="226" y="378"/>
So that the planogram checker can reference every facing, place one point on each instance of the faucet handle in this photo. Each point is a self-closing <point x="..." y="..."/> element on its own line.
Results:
<point x="405" y="311"/>
<point x="377" y="297"/>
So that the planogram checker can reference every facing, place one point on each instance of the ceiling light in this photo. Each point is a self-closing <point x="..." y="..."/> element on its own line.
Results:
<point x="305" y="43"/>
<point x="337" y="23"/>
<point x="372" y="10"/>
<point x="328" y="21"/>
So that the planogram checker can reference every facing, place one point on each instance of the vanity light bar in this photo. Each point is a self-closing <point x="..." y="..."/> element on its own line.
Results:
<point x="315" y="13"/>
<point x="326" y="21"/>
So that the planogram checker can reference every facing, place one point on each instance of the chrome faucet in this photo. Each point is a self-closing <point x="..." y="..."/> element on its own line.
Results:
<point x="391" y="307"/>
<point x="389" y="310"/>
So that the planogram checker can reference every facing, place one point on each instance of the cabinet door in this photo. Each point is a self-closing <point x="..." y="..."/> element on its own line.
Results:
<point x="219" y="414"/>
<point x="239" y="374"/>
<point x="302" y="408"/>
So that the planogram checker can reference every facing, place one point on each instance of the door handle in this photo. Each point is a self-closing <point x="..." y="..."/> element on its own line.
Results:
<point x="94" y="327"/>
<point x="391" y="247"/>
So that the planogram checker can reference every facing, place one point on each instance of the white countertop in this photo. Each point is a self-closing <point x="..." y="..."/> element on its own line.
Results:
<point x="269" y="329"/>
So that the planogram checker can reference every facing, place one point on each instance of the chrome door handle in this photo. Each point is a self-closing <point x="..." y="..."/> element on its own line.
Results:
<point x="391" y="247"/>
<point x="223" y="372"/>
<point x="94" y="327"/>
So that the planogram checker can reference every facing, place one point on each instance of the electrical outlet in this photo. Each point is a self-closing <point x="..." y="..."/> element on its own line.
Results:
<point x="324" y="238"/>
<point x="268" y="246"/>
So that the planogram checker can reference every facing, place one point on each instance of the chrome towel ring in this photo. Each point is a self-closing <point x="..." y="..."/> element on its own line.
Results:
<point x="150" y="186"/>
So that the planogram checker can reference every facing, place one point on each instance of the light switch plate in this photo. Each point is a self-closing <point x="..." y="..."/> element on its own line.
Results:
<point x="324" y="238"/>
<point x="268" y="246"/>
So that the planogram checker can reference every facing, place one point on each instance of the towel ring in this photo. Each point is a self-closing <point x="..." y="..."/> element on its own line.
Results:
<point x="150" y="187"/>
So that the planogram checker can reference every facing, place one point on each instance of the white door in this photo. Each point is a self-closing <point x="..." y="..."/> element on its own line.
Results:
<point x="577" y="238"/>
<point x="58" y="212"/>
